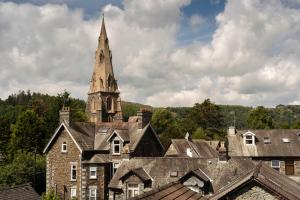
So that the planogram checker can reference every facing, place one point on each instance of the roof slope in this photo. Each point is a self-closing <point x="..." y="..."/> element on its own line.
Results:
<point x="171" y="191"/>
<point x="199" y="148"/>
<point x="266" y="176"/>
<point x="220" y="173"/>
<point x="276" y="147"/>
<point x="91" y="136"/>
<point x="19" y="192"/>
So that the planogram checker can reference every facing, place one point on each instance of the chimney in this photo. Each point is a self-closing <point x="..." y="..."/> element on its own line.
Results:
<point x="231" y="131"/>
<point x="188" y="136"/>
<point x="144" y="117"/>
<point x="64" y="115"/>
<point x="223" y="152"/>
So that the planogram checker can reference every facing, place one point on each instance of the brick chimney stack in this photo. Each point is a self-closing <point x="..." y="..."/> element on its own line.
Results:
<point x="222" y="152"/>
<point x="64" y="115"/>
<point x="144" y="117"/>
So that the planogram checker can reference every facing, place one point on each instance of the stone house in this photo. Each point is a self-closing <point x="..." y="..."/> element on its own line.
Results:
<point x="82" y="157"/>
<point x="196" y="178"/>
<point x="278" y="148"/>
<point x="195" y="148"/>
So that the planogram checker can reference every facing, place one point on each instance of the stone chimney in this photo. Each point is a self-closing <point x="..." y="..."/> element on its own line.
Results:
<point x="188" y="136"/>
<point x="222" y="152"/>
<point x="64" y="115"/>
<point x="143" y="117"/>
<point x="231" y="131"/>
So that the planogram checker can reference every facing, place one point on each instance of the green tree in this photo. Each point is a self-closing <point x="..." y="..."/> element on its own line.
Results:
<point x="207" y="115"/>
<point x="50" y="196"/>
<point x="78" y="116"/>
<point x="162" y="119"/>
<point x="27" y="133"/>
<point x="21" y="169"/>
<point x="296" y="125"/>
<point x="260" y="118"/>
<point x="4" y="133"/>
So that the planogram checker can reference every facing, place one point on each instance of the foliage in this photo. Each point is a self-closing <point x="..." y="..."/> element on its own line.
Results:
<point x="207" y="115"/>
<point x="50" y="196"/>
<point x="162" y="119"/>
<point x="260" y="118"/>
<point x="21" y="169"/>
<point x="4" y="133"/>
<point x="27" y="133"/>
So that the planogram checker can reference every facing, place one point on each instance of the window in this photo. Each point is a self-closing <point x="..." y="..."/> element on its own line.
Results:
<point x="115" y="166"/>
<point x="286" y="140"/>
<point x="73" y="192"/>
<point x="275" y="164"/>
<point x="73" y="171"/>
<point x="249" y="139"/>
<point x="93" y="172"/>
<point x="289" y="167"/>
<point x="64" y="147"/>
<point x="116" y="146"/>
<point x="267" y="140"/>
<point x="132" y="190"/>
<point x="92" y="193"/>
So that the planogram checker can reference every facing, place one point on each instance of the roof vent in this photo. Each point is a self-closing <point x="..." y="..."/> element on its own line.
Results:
<point x="103" y="130"/>
<point x="189" y="152"/>
<point x="173" y="173"/>
<point x="286" y="140"/>
<point x="267" y="140"/>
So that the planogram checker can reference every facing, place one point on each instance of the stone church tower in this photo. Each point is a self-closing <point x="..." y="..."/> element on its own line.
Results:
<point x="104" y="102"/>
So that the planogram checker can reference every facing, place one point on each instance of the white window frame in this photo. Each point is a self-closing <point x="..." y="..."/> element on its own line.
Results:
<point x="73" y="167"/>
<point x="64" y="147"/>
<point x="92" y="188"/>
<point x="93" y="169"/>
<point x="73" y="192"/>
<point x="116" y="165"/>
<point x="248" y="139"/>
<point x="275" y="166"/>
<point x="133" y="189"/>
<point x="113" y="146"/>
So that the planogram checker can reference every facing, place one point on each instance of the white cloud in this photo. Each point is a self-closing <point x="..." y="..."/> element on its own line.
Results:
<point x="253" y="57"/>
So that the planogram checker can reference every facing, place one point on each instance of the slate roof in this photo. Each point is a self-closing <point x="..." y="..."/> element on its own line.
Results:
<point x="219" y="172"/>
<point x="267" y="177"/>
<point x="199" y="148"/>
<point x="171" y="191"/>
<point x="19" y="192"/>
<point x="259" y="173"/>
<point x="140" y="172"/>
<point x="276" y="147"/>
<point x="91" y="136"/>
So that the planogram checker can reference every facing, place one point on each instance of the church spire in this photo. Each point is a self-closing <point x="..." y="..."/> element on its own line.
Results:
<point x="103" y="102"/>
<point x="103" y="29"/>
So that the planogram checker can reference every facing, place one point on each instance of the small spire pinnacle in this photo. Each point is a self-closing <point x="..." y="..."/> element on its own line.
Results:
<point x="103" y="29"/>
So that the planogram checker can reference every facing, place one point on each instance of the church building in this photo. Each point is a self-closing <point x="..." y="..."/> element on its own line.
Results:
<point x="83" y="157"/>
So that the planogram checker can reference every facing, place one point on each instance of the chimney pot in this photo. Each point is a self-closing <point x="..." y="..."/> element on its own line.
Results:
<point x="64" y="115"/>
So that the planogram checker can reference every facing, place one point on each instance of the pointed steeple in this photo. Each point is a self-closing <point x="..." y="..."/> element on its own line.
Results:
<point x="103" y="29"/>
<point x="104" y="103"/>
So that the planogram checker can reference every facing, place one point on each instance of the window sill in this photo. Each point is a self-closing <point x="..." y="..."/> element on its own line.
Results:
<point x="93" y="178"/>
<point x="74" y="180"/>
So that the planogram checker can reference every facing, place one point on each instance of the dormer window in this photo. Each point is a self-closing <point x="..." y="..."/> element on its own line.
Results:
<point x="64" y="147"/>
<point x="132" y="190"/>
<point x="116" y="147"/>
<point x="249" y="138"/>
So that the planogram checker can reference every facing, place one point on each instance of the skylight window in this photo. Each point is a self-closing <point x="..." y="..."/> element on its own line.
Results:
<point x="103" y="130"/>
<point x="267" y="140"/>
<point x="286" y="140"/>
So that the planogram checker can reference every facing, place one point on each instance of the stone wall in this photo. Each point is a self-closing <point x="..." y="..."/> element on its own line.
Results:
<point x="253" y="191"/>
<point x="59" y="166"/>
<point x="101" y="182"/>
<point x="282" y="165"/>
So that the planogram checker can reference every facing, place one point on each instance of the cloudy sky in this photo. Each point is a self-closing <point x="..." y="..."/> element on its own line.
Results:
<point x="165" y="52"/>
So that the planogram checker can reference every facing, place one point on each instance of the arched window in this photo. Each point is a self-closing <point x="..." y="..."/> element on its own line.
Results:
<point x="64" y="148"/>
<point x="109" y="103"/>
